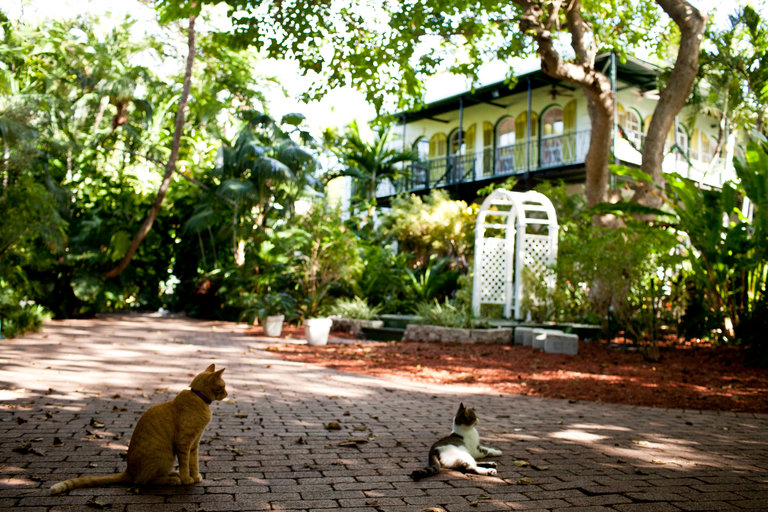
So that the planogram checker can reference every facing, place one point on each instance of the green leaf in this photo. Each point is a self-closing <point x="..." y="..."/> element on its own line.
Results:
<point x="294" y="119"/>
<point x="86" y="287"/>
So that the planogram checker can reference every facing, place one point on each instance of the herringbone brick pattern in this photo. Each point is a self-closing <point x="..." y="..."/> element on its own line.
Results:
<point x="72" y="393"/>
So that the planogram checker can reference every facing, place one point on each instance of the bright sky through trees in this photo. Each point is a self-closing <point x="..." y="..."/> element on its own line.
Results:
<point x="339" y="107"/>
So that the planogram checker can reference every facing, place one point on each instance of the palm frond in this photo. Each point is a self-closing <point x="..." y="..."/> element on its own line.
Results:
<point x="237" y="190"/>
<point x="268" y="168"/>
<point x="201" y="220"/>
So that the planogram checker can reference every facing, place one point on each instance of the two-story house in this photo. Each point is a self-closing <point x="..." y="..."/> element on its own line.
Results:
<point x="539" y="129"/>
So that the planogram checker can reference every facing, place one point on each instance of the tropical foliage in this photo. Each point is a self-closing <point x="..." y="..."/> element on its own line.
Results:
<point x="368" y="163"/>
<point x="87" y="128"/>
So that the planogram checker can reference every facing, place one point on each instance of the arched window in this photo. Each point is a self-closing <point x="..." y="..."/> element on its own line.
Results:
<point x="421" y="148"/>
<point x="552" y="122"/>
<point x="461" y="150"/>
<point x="505" y="133"/>
<point x="464" y="144"/>
<point x="438" y="145"/>
<point x="552" y="137"/>
<point x="419" y="170"/>
<point x="437" y="164"/>
<point x="633" y="128"/>
<point x="505" y="146"/>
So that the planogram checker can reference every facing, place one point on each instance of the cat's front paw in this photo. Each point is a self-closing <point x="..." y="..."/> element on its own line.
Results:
<point x="491" y="472"/>
<point x="493" y="452"/>
<point x="187" y="480"/>
<point x="197" y="478"/>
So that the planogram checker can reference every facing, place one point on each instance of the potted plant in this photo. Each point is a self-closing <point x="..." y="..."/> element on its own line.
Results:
<point x="271" y="309"/>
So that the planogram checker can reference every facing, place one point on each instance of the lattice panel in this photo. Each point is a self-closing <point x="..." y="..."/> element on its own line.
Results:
<point x="536" y="252"/>
<point x="493" y="275"/>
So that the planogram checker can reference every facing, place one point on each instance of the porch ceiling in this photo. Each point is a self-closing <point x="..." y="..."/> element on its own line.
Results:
<point x="634" y="71"/>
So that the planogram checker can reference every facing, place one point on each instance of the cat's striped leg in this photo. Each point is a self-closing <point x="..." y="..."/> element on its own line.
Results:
<point x="194" y="463"/>
<point x="183" y="455"/>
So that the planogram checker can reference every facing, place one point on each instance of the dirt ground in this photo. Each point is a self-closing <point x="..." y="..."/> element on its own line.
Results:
<point x="686" y="377"/>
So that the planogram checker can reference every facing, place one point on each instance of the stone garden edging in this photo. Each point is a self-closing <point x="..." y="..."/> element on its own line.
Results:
<point x="435" y="333"/>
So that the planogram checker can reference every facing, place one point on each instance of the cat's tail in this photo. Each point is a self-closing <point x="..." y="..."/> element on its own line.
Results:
<point x="432" y="469"/>
<point x="90" y="481"/>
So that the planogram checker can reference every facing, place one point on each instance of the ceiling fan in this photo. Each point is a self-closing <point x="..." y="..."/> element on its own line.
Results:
<point x="651" y="94"/>
<point x="554" y="92"/>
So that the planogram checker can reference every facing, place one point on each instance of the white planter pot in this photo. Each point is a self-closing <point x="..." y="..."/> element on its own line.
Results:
<point x="317" y="330"/>
<point x="273" y="325"/>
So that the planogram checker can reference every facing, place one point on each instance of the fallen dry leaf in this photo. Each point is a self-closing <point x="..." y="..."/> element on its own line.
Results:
<point x="97" y="504"/>
<point x="26" y="448"/>
<point x="354" y="443"/>
<point x="332" y="426"/>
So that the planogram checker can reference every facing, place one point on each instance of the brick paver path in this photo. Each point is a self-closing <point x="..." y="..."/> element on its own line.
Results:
<point x="268" y="448"/>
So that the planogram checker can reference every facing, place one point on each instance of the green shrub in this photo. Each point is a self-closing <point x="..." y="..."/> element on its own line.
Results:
<point x="445" y="314"/>
<point x="356" y="308"/>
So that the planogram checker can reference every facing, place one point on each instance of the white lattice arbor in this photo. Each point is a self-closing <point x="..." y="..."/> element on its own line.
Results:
<point x="514" y="231"/>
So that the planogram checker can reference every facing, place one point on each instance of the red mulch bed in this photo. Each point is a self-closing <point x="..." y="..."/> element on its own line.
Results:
<point x="686" y="377"/>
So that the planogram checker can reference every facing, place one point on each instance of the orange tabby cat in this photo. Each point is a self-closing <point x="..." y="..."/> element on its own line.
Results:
<point x="163" y="432"/>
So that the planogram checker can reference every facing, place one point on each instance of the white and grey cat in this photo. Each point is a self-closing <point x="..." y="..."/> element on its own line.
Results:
<point x="460" y="450"/>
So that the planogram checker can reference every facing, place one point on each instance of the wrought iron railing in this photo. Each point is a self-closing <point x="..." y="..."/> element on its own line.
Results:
<point x="532" y="155"/>
<point x="441" y="172"/>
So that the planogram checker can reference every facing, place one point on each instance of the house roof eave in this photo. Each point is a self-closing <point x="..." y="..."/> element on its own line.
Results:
<point x="633" y="71"/>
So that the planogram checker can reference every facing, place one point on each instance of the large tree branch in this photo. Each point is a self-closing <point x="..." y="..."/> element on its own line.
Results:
<point x="171" y="166"/>
<point x="674" y="96"/>
<point x="596" y="86"/>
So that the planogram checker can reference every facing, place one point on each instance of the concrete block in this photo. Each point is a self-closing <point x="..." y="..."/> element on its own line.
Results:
<point x="561" y="343"/>
<point x="539" y="337"/>
<point x="521" y="334"/>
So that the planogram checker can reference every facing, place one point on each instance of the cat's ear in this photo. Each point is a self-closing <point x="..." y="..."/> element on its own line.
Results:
<point x="461" y="408"/>
<point x="218" y="373"/>
<point x="211" y="368"/>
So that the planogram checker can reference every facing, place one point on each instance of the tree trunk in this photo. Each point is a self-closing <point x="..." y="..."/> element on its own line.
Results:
<point x="171" y="166"/>
<point x="672" y="99"/>
<point x="596" y="86"/>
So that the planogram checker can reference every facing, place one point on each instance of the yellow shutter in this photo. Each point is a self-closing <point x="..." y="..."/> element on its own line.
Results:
<point x="521" y="126"/>
<point x="487" y="134"/>
<point x="569" y="127"/>
<point x="521" y="144"/>
<point x="621" y="115"/>
<point x="438" y="145"/>
<point x="693" y="144"/>
<point x="569" y="116"/>
<point x="469" y="138"/>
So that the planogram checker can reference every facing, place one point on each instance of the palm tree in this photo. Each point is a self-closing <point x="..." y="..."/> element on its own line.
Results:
<point x="368" y="163"/>
<point x="259" y="177"/>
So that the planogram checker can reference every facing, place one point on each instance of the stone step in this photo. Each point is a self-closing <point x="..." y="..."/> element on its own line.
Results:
<point x="383" y="333"/>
